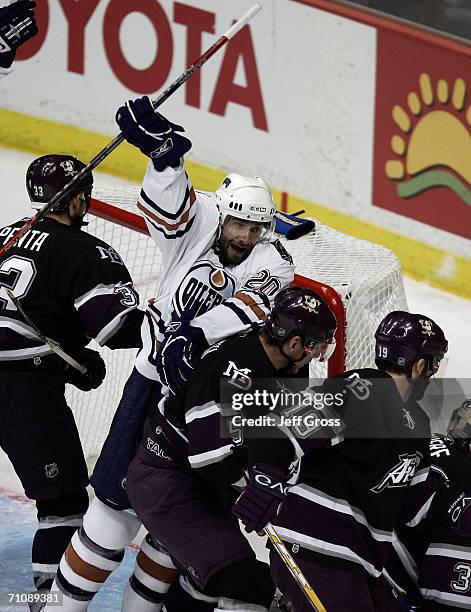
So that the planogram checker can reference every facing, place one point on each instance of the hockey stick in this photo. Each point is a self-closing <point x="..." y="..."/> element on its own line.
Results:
<point x="54" y="346"/>
<point x="294" y="569"/>
<point x="67" y="189"/>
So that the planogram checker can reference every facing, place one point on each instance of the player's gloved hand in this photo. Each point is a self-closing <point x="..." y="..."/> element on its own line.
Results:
<point x="95" y="373"/>
<point x="152" y="133"/>
<point x="262" y="497"/>
<point x="17" y="25"/>
<point x="181" y="348"/>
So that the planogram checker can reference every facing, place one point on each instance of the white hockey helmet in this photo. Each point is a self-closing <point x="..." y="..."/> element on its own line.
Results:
<point x="246" y="197"/>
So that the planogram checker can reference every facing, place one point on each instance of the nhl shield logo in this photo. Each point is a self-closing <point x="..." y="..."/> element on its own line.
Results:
<point x="68" y="167"/>
<point x="51" y="470"/>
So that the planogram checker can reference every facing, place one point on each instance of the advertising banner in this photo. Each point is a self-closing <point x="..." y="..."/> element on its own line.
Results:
<point x="422" y="159"/>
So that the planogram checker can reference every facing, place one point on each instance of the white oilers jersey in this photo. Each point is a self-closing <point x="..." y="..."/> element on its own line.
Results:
<point x="224" y="300"/>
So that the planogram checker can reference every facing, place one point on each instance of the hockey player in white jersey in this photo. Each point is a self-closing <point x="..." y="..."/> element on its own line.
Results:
<point x="221" y="272"/>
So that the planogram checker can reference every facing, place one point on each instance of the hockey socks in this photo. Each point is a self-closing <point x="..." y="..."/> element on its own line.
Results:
<point x="49" y="541"/>
<point x="154" y="573"/>
<point x="58" y="520"/>
<point x="83" y="569"/>
<point x="94" y="552"/>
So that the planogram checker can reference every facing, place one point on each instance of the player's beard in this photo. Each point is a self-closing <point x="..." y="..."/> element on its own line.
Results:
<point x="230" y="253"/>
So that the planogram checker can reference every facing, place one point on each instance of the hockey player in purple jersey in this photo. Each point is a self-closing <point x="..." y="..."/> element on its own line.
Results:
<point x="340" y="511"/>
<point x="73" y="287"/>
<point x="180" y="482"/>
<point x="430" y="567"/>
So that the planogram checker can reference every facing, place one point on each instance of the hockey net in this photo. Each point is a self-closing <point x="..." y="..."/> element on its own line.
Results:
<point x="361" y="281"/>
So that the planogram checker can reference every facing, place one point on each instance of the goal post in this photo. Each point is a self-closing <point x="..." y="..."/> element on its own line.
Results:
<point x="361" y="282"/>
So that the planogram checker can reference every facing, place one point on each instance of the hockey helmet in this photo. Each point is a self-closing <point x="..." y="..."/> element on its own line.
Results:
<point x="246" y="197"/>
<point x="48" y="174"/>
<point x="298" y="311"/>
<point x="402" y="338"/>
<point x="459" y="427"/>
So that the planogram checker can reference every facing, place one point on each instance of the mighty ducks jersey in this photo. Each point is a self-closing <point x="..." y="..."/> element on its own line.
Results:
<point x="191" y="421"/>
<point x="73" y="286"/>
<point x="430" y="566"/>
<point x="346" y="498"/>
<point x="346" y="493"/>
<point x="224" y="300"/>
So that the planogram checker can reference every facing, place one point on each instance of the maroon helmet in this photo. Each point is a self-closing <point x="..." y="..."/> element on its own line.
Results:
<point x="402" y="338"/>
<point x="48" y="174"/>
<point x="298" y="311"/>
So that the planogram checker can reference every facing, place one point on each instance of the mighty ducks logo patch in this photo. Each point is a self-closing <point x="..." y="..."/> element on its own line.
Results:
<point x="205" y="286"/>
<point x="310" y="303"/>
<point x="400" y="474"/>
<point x="426" y="325"/>
<point x="68" y="167"/>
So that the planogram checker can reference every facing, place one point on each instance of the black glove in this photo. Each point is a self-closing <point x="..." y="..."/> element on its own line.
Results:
<point x="180" y="351"/>
<point x="261" y="499"/>
<point x="150" y="132"/>
<point x="95" y="373"/>
<point x="17" y="25"/>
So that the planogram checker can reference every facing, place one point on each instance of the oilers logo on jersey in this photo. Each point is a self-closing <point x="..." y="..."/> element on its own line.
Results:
<point x="205" y="286"/>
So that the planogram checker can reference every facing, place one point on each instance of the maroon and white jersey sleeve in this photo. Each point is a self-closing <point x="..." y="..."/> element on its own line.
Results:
<point x="72" y="285"/>
<point x="445" y="575"/>
<point x="103" y="292"/>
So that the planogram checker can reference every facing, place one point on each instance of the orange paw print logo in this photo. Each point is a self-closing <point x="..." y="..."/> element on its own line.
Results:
<point x="434" y="146"/>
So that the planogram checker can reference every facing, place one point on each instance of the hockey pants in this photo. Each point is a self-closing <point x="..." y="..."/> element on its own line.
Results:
<point x="140" y="396"/>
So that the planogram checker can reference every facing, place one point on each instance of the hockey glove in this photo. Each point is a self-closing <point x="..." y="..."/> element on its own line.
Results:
<point x="95" y="373"/>
<point x="17" y="25"/>
<point x="181" y="348"/>
<point x="150" y="132"/>
<point x="261" y="499"/>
